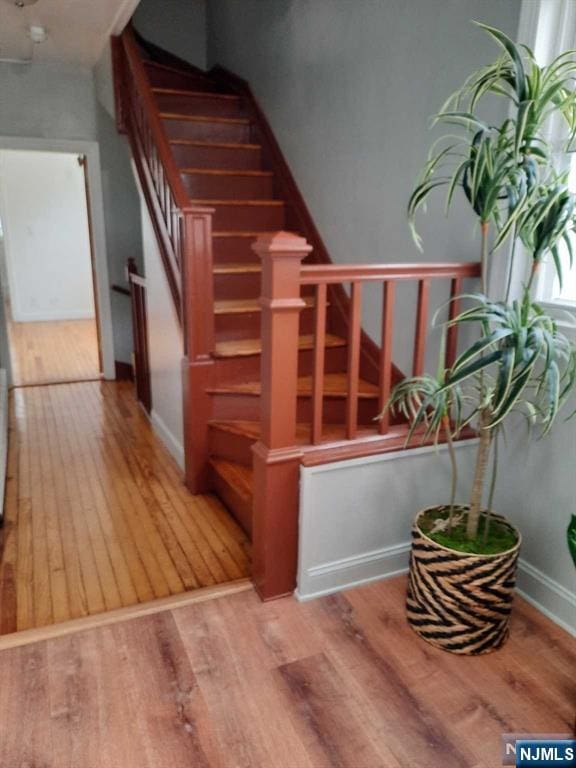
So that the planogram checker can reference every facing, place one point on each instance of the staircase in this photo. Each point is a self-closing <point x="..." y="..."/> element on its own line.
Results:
<point x="216" y="182"/>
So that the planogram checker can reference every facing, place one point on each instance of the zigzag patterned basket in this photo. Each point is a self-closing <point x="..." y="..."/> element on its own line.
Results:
<point x="458" y="601"/>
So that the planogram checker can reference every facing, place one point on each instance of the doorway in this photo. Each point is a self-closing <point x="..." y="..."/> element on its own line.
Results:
<point x="47" y="267"/>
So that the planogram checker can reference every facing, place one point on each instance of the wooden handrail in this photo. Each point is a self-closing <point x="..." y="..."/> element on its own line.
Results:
<point x="134" y="61"/>
<point x="332" y="274"/>
<point x="321" y="276"/>
<point x="184" y="235"/>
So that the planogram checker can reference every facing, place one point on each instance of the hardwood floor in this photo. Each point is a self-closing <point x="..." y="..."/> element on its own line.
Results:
<point x="43" y="353"/>
<point x="96" y="514"/>
<point x="341" y="681"/>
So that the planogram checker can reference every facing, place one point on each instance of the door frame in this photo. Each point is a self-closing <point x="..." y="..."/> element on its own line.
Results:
<point x="99" y="253"/>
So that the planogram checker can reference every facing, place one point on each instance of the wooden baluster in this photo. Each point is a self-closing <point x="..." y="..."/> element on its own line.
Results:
<point x="198" y="323"/>
<point x="276" y="457"/>
<point x="319" y="356"/>
<point x="354" y="330"/>
<point x="386" y="352"/>
<point x="420" y="332"/>
<point x="452" y="333"/>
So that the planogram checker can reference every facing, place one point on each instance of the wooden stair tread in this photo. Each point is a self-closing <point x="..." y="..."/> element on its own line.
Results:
<point x="214" y="144"/>
<point x="177" y="70"/>
<point x="204" y="118"/>
<point x="335" y="385"/>
<point x="239" y="476"/>
<point x="238" y="202"/>
<point x="246" y="306"/>
<point x="196" y="94"/>
<point x="247" y="347"/>
<point x="237" y="268"/>
<point x="224" y="172"/>
<point x="330" y="432"/>
<point x="236" y="233"/>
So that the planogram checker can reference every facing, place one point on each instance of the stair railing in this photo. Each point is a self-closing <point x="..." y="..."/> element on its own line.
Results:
<point x="278" y="454"/>
<point x="184" y="235"/>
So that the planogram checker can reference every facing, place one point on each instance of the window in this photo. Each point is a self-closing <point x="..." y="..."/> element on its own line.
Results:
<point x="549" y="27"/>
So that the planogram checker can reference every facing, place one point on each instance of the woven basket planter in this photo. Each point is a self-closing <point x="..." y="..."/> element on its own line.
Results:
<point x="458" y="601"/>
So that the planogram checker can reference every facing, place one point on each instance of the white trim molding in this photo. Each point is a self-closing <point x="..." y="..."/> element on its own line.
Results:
<point x="173" y="445"/>
<point x="354" y="571"/>
<point x="550" y="598"/>
<point x="102" y="282"/>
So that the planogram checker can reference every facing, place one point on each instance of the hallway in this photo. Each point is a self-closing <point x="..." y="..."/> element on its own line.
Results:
<point x="48" y="352"/>
<point x="96" y="515"/>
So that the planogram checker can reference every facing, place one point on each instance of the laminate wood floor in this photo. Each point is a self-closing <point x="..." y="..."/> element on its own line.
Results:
<point x="47" y="352"/>
<point x="96" y="515"/>
<point x="341" y="681"/>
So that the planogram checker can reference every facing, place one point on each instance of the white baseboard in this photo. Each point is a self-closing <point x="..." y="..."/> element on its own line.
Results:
<point x="550" y="598"/>
<point x="353" y="571"/>
<point x="173" y="445"/>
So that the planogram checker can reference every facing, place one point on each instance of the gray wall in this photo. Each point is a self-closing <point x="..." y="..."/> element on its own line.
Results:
<point x="47" y="101"/>
<point x="178" y="26"/>
<point x="121" y="204"/>
<point x="349" y="88"/>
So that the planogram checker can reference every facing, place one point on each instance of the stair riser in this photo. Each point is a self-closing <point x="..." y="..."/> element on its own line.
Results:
<point x="187" y="156"/>
<point x="198" y="105"/>
<point x="207" y="131"/>
<point x="248" y="217"/>
<point x="239" y="507"/>
<point x="247" y="408"/>
<point x="248" y="325"/>
<point x="229" y="187"/>
<point x="236" y="369"/>
<point x="234" y="249"/>
<point x="231" y="447"/>
<point x="237" y="286"/>
<point x="162" y="78"/>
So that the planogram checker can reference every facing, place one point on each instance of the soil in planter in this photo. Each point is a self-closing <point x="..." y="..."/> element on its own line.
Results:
<point x="500" y="537"/>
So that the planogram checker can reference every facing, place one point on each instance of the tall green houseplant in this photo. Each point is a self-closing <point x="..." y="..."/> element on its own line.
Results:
<point x="519" y="359"/>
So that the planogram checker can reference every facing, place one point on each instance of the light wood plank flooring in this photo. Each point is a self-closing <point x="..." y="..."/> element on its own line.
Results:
<point x="233" y="683"/>
<point x="44" y="353"/>
<point x="96" y="515"/>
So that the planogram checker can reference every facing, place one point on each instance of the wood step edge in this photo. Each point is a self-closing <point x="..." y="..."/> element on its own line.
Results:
<point x="249" y="429"/>
<point x="178" y="70"/>
<point x="196" y="94"/>
<point x="253" y="347"/>
<point x="237" y="268"/>
<point x="238" y="476"/>
<point x="238" y="203"/>
<point x="204" y="118"/>
<point x="225" y="172"/>
<point x="248" y="306"/>
<point x="237" y="233"/>
<point x="214" y="144"/>
<point x="254" y="389"/>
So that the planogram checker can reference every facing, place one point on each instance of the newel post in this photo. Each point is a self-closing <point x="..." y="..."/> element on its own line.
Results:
<point x="198" y="325"/>
<point x="276" y="456"/>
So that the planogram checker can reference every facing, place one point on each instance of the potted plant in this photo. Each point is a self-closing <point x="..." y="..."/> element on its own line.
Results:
<point x="463" y="558"/>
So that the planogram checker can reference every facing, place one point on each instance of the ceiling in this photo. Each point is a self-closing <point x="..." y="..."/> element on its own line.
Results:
<point x="77" y="29"/>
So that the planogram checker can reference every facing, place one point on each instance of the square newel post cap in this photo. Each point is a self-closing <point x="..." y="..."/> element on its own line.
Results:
<point x="281" y="245"/>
